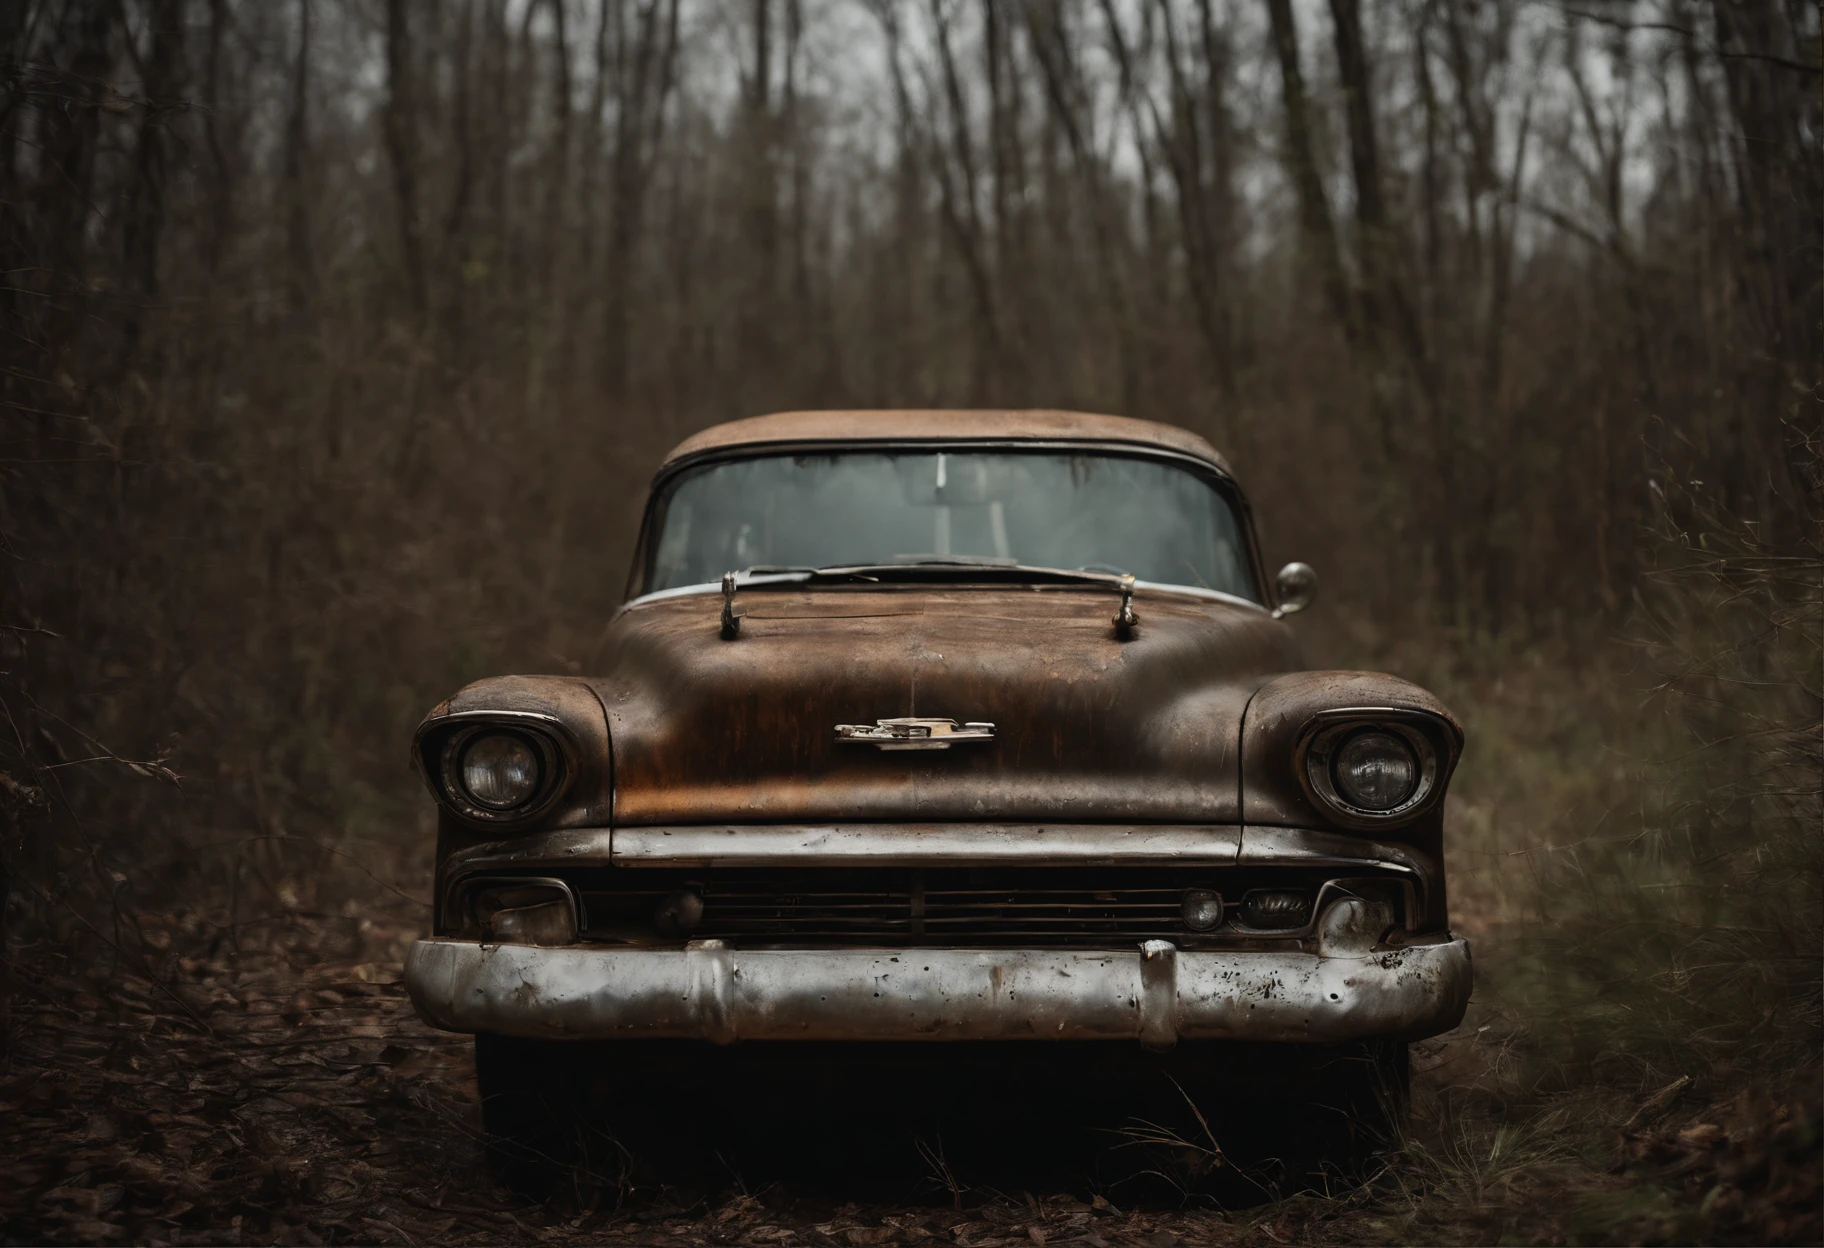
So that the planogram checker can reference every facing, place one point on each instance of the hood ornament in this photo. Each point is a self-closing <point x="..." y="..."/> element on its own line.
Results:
<point x="914" y="733"/>
<point x="1125" y="619"/>
<point x="731" y="620"/>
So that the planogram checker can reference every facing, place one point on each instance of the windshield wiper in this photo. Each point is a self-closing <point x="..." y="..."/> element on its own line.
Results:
<point x="1122" y="583"/>
<point x="801" y="572"/>
<point x="935" y="567"/>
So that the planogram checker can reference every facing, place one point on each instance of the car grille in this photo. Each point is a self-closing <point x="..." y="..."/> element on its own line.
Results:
<point x="1040" y="907"/>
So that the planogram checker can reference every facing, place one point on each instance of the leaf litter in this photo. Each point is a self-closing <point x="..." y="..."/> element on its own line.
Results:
<point x="288" y="1094"/>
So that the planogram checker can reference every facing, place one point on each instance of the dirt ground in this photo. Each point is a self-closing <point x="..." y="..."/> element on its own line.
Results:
<point x="287" y="1094"/>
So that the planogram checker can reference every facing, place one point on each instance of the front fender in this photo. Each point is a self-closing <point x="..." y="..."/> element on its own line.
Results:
<point x="1282" y="714"/>
<point x="1281" y="711"/>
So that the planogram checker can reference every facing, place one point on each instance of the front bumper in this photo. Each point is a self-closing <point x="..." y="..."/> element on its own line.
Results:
<point x="1155" y="994"/>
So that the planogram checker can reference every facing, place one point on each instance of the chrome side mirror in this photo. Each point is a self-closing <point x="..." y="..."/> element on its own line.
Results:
<point x="1297" y="586"/>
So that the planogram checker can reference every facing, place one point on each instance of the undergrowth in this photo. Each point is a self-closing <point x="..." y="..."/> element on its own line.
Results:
<point x="1637" y="856"/>
<point x="1634" y="855"/>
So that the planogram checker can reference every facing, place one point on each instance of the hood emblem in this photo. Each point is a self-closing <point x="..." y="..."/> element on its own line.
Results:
<point x="914" y="734"/>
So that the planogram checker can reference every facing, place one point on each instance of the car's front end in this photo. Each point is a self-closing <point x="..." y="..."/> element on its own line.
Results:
<point x="940" y="797"/>
<point x="956" y="929"/>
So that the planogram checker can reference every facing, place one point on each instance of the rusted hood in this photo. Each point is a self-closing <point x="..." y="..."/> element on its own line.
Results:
<point x="1087" y="727"/>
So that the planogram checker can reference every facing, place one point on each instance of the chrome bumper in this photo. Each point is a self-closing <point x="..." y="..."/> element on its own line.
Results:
<point x="1156" y="994"/>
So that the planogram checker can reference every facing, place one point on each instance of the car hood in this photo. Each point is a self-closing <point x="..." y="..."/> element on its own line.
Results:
<point x="1087" y="727"/>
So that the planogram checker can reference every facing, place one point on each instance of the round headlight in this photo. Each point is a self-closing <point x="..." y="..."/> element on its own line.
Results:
<point x="499" y="770"/>
<point x="1376" y="771"/>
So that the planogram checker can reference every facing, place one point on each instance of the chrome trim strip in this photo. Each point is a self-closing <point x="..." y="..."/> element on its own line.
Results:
<point x="708" y="991"/>
<point x="863" y="844"/>
<point x="913" y="844"/>
<point x="1302" y="847"/>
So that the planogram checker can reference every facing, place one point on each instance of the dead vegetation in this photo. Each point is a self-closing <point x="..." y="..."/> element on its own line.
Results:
<point x="292" y="1098"/>
<point x="1632" y="1072"/>
<point x="337" y="339"/>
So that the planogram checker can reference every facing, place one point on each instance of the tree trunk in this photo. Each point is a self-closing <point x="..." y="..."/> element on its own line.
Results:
<point x="301" y="272"/>
<point x="1317" y="232"/>
<point x="145" y="212"/>
<point x="400" y="127"/>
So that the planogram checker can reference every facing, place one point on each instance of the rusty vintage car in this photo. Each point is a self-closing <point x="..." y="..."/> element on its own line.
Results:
<point x="940" y="726"/>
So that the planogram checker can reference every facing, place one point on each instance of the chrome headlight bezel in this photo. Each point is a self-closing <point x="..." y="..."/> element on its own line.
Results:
<point x="1433" y="741"/>
<point x="439" y="752"/>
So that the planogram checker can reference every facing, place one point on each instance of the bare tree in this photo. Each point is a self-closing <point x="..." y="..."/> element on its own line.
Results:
<point x="1317" y="230"/>
<point x="400" y="127"/>
<point x="301" y="283"/>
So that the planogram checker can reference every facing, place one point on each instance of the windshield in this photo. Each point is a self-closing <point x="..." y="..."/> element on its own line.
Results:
<point x="1097" y="512"/>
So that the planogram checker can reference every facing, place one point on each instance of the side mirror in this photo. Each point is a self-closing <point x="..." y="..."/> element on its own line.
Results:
<point x="1297" y="585"/>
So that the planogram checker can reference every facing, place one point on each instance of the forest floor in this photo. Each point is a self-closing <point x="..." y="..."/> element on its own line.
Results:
<point x="287" y="1094"/>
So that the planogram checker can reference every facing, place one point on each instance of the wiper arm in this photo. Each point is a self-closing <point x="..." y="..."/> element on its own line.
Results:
<point x="731" y="618"/>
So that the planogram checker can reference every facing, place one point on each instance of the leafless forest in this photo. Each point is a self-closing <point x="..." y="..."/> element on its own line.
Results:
<point x="338" y="339"/>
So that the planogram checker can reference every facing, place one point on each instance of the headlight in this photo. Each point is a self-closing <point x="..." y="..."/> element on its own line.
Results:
<point x="499" y="770"/>
<point x="499" y="773"/>
<point x="1375" y="771"/>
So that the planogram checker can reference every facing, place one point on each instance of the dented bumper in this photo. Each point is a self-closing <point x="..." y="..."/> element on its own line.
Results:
<point x="1155" y="994"/>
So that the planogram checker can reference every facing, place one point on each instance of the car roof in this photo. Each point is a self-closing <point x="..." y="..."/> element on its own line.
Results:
<point x="945" y="424"/>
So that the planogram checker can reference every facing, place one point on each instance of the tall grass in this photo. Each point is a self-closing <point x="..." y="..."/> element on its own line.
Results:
<point x="1681" y="935"/>
<point x="1638" y="855"/>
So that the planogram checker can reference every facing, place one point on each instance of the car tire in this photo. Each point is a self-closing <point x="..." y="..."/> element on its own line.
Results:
<point x="537" y="1106"/>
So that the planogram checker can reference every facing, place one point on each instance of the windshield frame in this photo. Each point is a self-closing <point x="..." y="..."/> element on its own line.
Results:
<point x="645" y="551"/>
